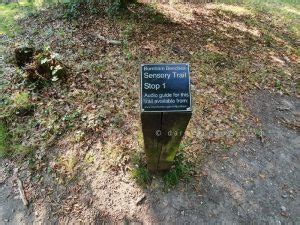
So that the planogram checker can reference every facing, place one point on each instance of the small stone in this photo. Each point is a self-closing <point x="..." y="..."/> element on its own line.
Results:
<point x="287" y="59"/>
<point x="284" y="195"/>
<point x="283" y="208"/>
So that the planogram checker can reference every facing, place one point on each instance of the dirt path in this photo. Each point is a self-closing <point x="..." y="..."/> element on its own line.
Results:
<point x="257" y="181"/>
<point x="12" y="210"/>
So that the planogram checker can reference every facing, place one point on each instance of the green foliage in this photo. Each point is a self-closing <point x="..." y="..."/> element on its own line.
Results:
<point x="71" y="118"/>
<point x="8" y="146"/>
<point x="115" y="8"/>
<point x="136" y="159"/>
<point x="46" y="66"/>
<point x="117" y="120"/>
<point x="21" y="100"/>
<point x="298" y="86"/>
<point x="21" y="103"/>
<point x="89" y="159"/>
<point x="4" y="146"/>
<point x="268" y="40"/>
<point x="286" y="11"/>
<point x="127" y="53"/>
<point x="259" y="133"/>
<point x="6" y="18"/>
<point x="73" y="9"/>
<point x="99" y="68"/>
<point x="70" y="163"/>
<point x="180" y="171"/>
<point x="69" y="168"/>
<point x="22" y="151"/>
<point x="141" y="175"/>
<point x="79" y="136"/>
<point x="277" y="84"/>
<point x="127" y="32"/>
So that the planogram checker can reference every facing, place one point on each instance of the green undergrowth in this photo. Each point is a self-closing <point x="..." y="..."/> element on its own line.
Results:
<point x="4" y="146"/>
<point x="140" y="173"/>
<point x="9" y="13"/>
<point x="9" y="148"/>
<point x="180" y="171"/>
<point x="15" y="124"/>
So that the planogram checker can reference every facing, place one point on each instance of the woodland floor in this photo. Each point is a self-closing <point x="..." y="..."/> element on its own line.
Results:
<point x="256" y="181"/>
<point x="242" y="141"/>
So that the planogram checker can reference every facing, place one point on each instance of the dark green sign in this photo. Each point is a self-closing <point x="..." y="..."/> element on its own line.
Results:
<point x="165" y="87"/>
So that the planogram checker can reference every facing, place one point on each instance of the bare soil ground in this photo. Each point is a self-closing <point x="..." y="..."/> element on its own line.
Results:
<point x="256" y="181"/>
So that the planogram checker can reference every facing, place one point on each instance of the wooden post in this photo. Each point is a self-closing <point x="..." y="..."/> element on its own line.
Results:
<point x="173" y="128"/>
<point x="165" y="111"/>
<point x="151" y="126"/>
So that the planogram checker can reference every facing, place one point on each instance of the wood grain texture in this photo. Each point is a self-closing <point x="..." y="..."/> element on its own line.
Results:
<point x="173" y="127"/>
<point x="151" y="122"/>
<point x="162" y="133"/>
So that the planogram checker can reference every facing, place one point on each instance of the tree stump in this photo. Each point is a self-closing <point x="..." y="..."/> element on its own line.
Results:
<point x="24" y="55"/>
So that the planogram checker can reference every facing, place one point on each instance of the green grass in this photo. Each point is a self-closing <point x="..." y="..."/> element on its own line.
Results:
<point x="22" y="151"/>
<point x="21" y="100"/>
<point x="180" y="171"/>
<point x="8" y="149"/>
<point x="141" y="175"/>
<point x="4" y="146"/>
<point x="9" y="13"/>
<point x="21" y="103"/>
<point x="285" y="11"/>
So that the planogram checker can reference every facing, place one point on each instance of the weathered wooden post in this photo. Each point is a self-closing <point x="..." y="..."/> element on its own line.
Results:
<point x="166" y="109"/>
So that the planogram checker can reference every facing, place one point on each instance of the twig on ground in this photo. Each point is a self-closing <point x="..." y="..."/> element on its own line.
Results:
<point x="109" y="41"/>
<point x="22" y="193"/>
<point x="141" y="199"/>
<point x="283" y="108"/>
